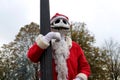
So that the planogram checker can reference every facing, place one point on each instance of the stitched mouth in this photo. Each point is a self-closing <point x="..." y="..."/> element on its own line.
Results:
<point x="60" y="28"/>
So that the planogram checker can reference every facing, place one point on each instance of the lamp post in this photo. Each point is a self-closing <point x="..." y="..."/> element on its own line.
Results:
<point x="46" y="59"/>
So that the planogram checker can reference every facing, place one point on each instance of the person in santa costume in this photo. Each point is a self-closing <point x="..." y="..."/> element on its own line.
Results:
<point x="69" y="62"/>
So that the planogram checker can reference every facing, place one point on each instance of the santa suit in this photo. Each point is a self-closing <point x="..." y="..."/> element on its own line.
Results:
<point x="77" y="65"/>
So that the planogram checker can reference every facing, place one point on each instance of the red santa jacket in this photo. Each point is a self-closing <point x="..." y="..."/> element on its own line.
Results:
<point x="76" y="63"/>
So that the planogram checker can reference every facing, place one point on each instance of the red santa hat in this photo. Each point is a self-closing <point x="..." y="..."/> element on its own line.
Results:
<point x="57" y="16"/>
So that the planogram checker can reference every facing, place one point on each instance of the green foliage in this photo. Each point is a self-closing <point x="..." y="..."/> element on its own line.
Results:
<point x="95" y="56"/>
<point x="14" y="64"/>
<point x="112" y="49"/>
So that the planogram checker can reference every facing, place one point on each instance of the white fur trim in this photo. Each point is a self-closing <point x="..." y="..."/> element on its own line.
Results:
<point x="69" y="42"/>
<point x="52" y="20"/>
<point x="82" y="75"/>
<point x="77" y="79"/>
<point x="41" y="43"/>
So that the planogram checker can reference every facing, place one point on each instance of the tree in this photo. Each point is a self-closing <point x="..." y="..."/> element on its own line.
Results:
<point x="113" y="51"/>
<point x="13" y="61"/>
<point x="95" y="56"/>
<point x="14" y="64"/>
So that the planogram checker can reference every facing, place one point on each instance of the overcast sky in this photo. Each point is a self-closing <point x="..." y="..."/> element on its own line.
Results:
<point x="101" y="16"/>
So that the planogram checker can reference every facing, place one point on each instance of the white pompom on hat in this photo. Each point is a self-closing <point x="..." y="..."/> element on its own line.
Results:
<point x="57" y="16"/>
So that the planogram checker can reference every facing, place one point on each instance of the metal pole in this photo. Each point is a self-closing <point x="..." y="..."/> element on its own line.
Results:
<point x="46" y="59"/>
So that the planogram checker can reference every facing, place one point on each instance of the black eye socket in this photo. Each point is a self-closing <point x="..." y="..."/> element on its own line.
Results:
<point x="64" y="21"/>
<point x="57" y="21"/>
<point x="51" y="23"/>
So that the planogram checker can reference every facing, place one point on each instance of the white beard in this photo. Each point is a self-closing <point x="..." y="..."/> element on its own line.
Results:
<point x="60" y="55"/>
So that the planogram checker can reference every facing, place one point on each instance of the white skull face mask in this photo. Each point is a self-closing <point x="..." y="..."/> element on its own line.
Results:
<point x="60" y="23"/>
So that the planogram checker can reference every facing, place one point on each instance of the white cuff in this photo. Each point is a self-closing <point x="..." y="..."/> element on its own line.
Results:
<point x="41" y="43"/>
<point x="82" y="76"/>
<point x="77" y="79"/>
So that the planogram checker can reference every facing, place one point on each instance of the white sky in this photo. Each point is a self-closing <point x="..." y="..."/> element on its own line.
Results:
<point x="101" y="16"/>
